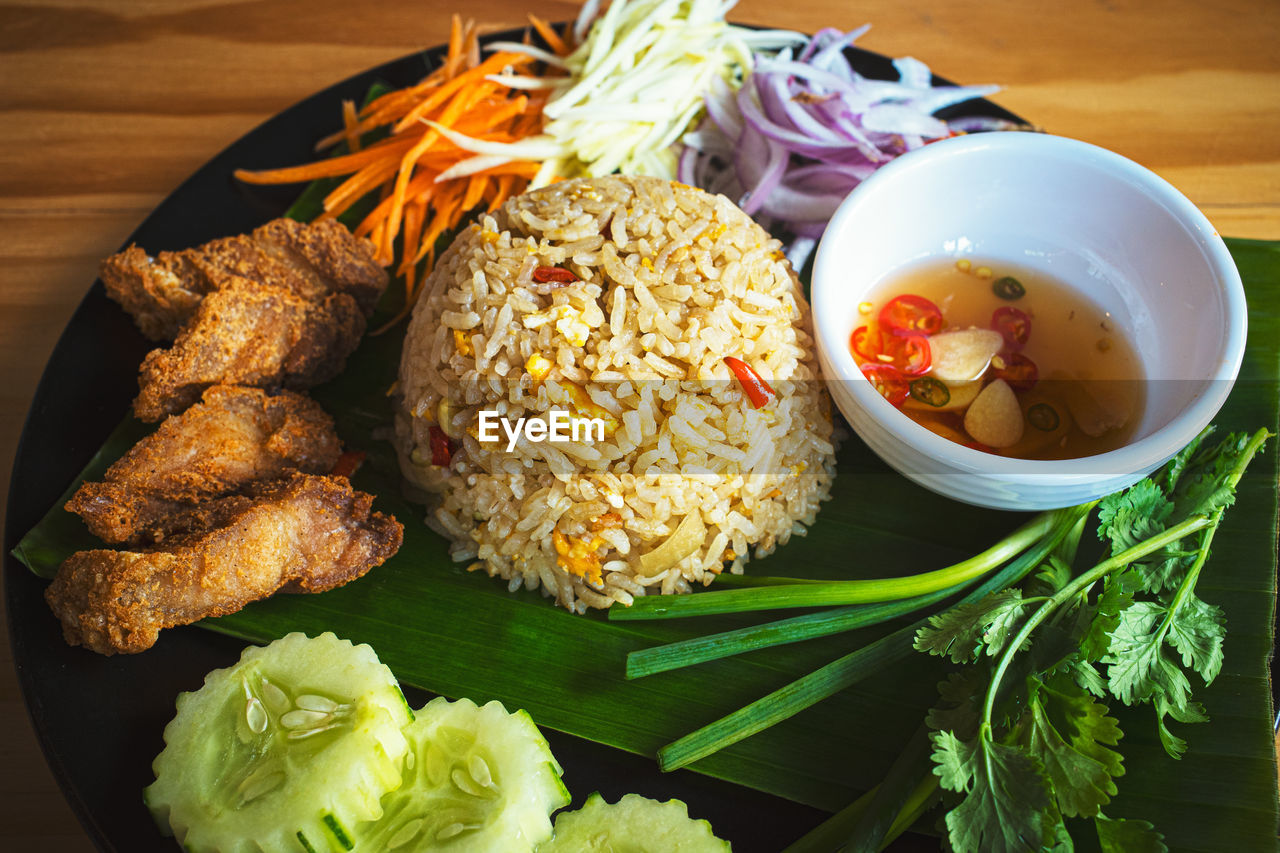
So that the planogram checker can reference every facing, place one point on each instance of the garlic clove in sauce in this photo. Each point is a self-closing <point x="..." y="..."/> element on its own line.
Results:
<point x="995" y="418"/>
<point x="962" y="355"/>
<point x="1099" y="406"/>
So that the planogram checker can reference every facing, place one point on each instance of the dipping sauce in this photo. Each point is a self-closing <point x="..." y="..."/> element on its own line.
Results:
<point x="1002" y="359"/>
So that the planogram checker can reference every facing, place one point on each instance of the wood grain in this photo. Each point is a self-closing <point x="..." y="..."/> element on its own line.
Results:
<point x="106" y="106"/>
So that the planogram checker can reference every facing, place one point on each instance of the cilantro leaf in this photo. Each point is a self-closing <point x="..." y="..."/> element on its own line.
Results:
<point x="1089" y="678"/>
<point x="1060" y="839"/>
<point x="1053" y="574"/>
<point x="1184" y="457"/>
<point x="1057" y="642"/>
<point x="1138" y="668"/>
<point x="962" y="632"/>
<point x="1115" y="597"/>
<point x="1165" y="569"/>
<point x="1005" y="793"/>
<point x="1129" y="517"/>
<point x="1209" y="481"/>
<point x="1068" y="730"/>
<point x="1192" y="712"/>
<point x="1197" y="630"/>
<point x="954" y="758"/>
<point x="1128" y="836"/>
<point x="959" y="708"/>
<point x="1133" y="651"/>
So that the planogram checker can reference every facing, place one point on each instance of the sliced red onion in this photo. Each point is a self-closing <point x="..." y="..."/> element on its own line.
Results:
<point x="806" y="129"/>
<point x="830" y="54"/>
<point x="826" y="82"/>
<point x="779" y="104"/>
<point x="759" y="164"/>
<point x="812" y="230"/>
<point x="982" y="124"/>
<point x="792" y="206"/>
<point x="820" y="38"/>
<point x="816" y="176"/>
<point x="900" y="118"/>
<point x="944" y="96"/>
<point x="722" y="110"/>
<point x="912" y="72"/>
<point x="686" y="166"/>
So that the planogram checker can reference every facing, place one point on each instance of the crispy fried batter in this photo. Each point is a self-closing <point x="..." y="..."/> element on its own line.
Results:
<point x="159" y="293"/>
<point x="247" y="333"/>
<point x="233" y="437"/>
<point x="303" y="533"/>
<point x="162" y="293"/>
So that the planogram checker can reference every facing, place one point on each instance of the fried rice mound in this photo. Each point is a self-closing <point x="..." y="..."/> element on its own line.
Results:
<point x="612" y="303"/>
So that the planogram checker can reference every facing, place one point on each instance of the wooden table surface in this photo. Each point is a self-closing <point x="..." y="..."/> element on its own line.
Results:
<point x="106" y="106"/>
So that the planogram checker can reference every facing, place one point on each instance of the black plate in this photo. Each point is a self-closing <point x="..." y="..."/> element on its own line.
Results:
<point x="100" y="720"/>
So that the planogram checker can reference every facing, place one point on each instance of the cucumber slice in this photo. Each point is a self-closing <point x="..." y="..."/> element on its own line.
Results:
<point x="285" y="750"/>
<point x="634" y="824"/>
<point x="476" y="779"/>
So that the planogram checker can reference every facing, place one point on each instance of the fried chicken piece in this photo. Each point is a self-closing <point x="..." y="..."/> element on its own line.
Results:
<point x="159" y="293"/>
<point x="162" y="293"/>
<point x="304" y="533"/>
<point x="313" y="260"/>
<point x="247" y="333"/>
<point x="233" y="437"/>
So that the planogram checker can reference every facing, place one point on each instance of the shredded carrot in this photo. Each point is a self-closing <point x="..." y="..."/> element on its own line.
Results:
<point x="420" y="188"/>
<point x="349" y="122"/>
<point x="343" y="165"/>
<point x="475" y="191"/>
<point x="455" y="44"/>
<point x="414" y="208"/>
<point x="413" y="217"/>
<point x="549" y="35"/>
<point x="502" y="191"/>
<point x="474" y="77"/>
<point x="355" y="187"/>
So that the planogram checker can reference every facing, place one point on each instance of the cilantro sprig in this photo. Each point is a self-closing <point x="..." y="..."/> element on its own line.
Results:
<point x="1023" y="740"/>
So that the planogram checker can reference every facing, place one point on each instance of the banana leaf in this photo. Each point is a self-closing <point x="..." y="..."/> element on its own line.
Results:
<point x="462" y="634"/>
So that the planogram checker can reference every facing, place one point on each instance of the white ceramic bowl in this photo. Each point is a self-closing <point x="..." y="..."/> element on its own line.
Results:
<point x="1114" y="230"/>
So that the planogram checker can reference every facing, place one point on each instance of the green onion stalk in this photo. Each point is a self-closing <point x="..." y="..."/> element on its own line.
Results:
<point x="1019" y="553"/>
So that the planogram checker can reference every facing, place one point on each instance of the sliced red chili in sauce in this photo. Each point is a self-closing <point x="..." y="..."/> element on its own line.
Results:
<point x="906" y="352"/>
<point x="910" y="354"/>
<point x="864" y="343"/>
<point x="888" y="382"/>
<point x="911" y="314"/>
<point x="1019" y="371"/>
<point x="1014" y="325"/>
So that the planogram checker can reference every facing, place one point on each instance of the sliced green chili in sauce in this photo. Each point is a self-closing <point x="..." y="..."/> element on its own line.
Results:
<point x="931" y="392"/>
<point x="1008" y="288"/>
<point x="1043" y="417"/>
